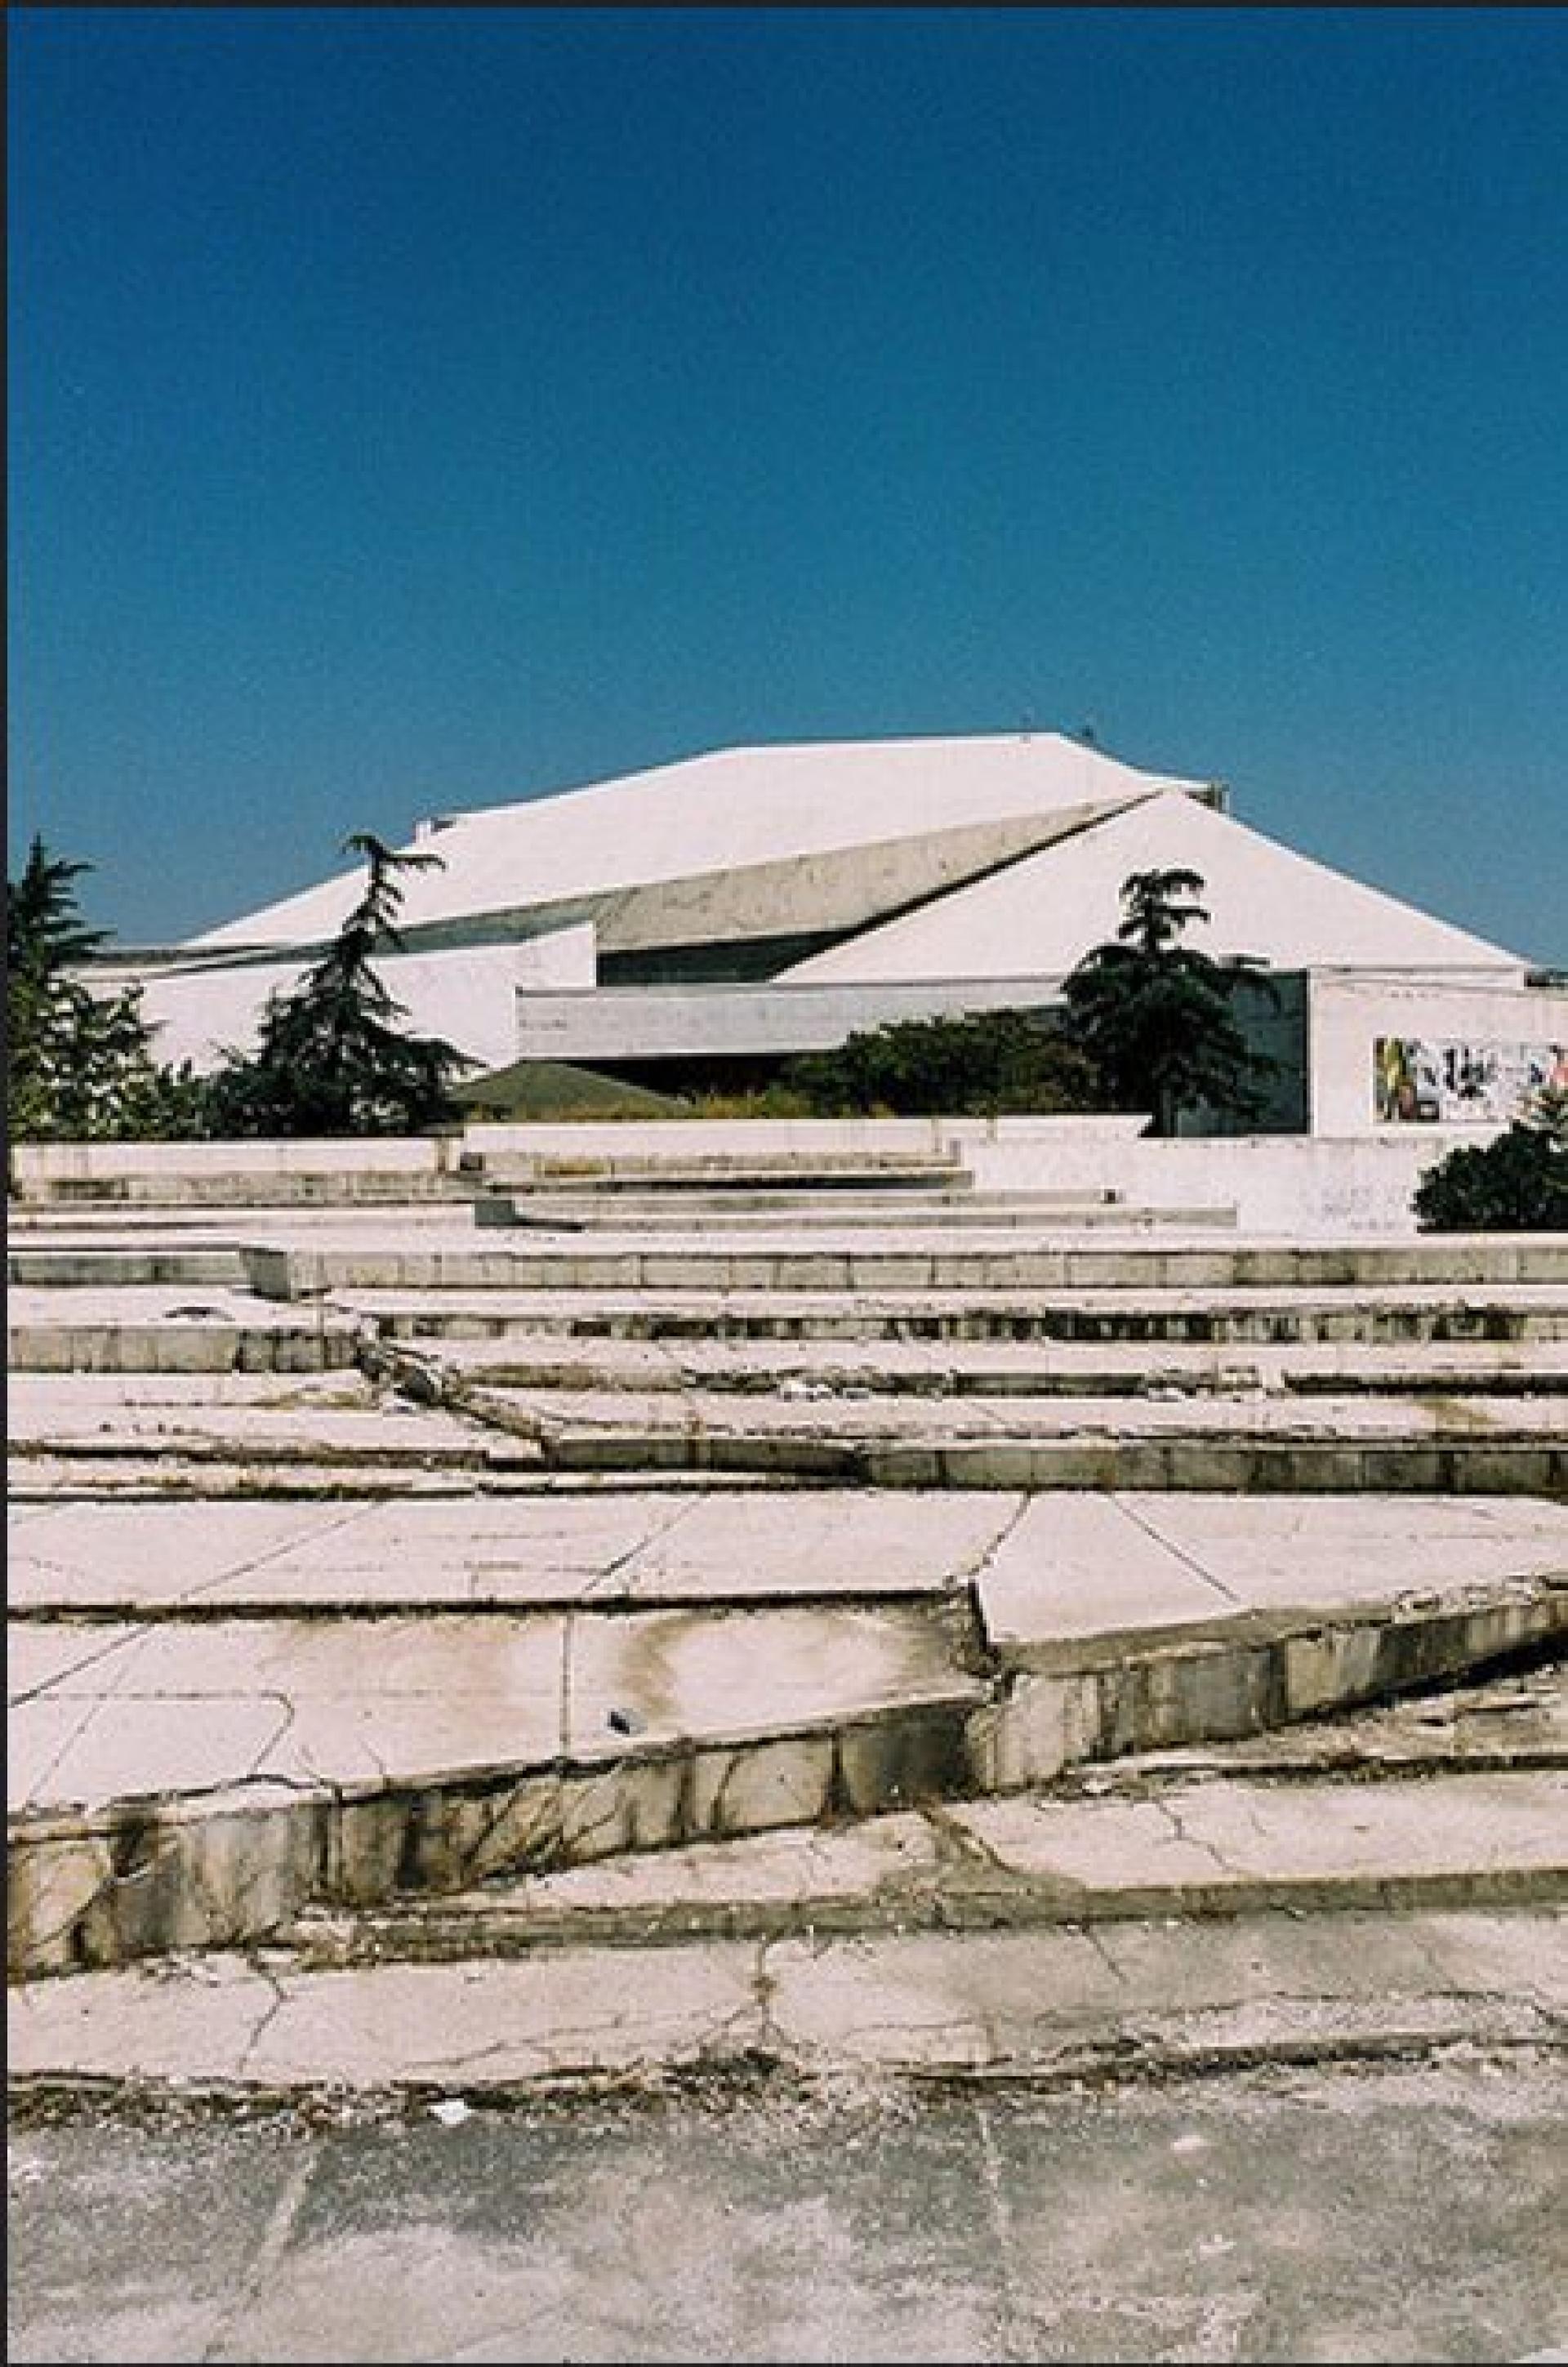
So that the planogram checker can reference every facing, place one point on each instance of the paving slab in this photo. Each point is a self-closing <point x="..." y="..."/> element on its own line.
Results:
<point x="1119" y="1568"/>
<point x="1046" y="2004"/>
<point x="1201" y="1845"/>
<point x="183" y="1709"/>
<point x="718" y="1546"/>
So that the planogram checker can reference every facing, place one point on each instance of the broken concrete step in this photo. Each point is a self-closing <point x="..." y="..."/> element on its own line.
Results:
<point x="193" y="1782"/>
<point x="1513" y="1723"/>
<point x="965" y="1368"/>
<point x="1197" y="1847"/>
<point x="1442" y="1444"/>
<point x="157" y="1329"/>
<point x="179" y="1786"/>
<point x="1054" y="2005"/>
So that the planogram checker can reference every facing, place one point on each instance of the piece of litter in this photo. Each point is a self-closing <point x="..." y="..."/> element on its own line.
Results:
<point x="1190" y="2143"/>
<point x="625" y="1721"/>
<point x="450" y="2111"/>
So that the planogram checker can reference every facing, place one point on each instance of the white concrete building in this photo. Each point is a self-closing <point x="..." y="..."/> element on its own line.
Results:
<point x="762" y="901"/>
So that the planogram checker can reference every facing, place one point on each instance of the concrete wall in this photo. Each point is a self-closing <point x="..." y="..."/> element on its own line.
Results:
<point x="684" y="1022"/>
<point x="226" y="1172"/>
<point x="1302" y="1186"/>
<point x="1346" y="1014"/>
<point x="738" y="1137"/>
<point x="467" y="993"/>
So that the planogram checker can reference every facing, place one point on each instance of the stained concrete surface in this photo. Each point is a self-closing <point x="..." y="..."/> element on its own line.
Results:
<point x="1387" y="2213"/>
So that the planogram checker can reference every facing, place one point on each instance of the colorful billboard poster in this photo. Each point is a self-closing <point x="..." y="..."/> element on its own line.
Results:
<point x="1417" y="1083"/>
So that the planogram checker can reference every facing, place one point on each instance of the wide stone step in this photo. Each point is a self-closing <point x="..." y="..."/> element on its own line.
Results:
<point x="1255" y="1315"/>
<point x="204" y="1738"/>
<point x="1482" y="1444"/>
<point x="1124" y="1263"/>
<point x="153" y="1328"/>
<point x="799" y="1170"/>
<point x="943" y="1212"/>
<point x="86" y="1265"/>
<point x="240" y="1188"/>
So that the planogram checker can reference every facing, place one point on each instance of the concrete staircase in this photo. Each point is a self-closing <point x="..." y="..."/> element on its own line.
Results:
<point x="400" y="1591"/>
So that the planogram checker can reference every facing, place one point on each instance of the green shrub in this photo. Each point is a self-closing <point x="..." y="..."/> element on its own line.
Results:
<point x="1517" y="1185"/>
<point x="981" y="1064"/>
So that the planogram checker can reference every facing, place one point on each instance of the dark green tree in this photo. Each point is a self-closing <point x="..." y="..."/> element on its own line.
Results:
<point x="333" y="1057"/>
<point x="79" y="1064"/>
<point x="1517" y="1183"/>
<point x="978" y="1064"/>
<point x="1158" y="1017"/>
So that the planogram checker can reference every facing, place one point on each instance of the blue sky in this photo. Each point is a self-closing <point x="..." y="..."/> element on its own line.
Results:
<point x="428" y="407"/>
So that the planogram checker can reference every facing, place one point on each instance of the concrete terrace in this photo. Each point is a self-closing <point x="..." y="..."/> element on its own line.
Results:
<point x="932" y="1626"/>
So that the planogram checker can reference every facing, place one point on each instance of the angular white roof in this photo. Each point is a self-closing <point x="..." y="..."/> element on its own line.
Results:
<point x="1037" y="917"/>
<point x="731" y="811"/>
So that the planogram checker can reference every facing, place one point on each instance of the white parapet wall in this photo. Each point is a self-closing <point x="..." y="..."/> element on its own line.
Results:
<point x="197" y="1172"/>
<point x="1306" y="1186"/>
<point x="1390" y="1056"/>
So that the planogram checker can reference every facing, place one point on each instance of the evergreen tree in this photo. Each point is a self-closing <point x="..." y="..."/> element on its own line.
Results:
<point x="333" y="1058"/>
<point x="1155" y="1015"/>
<point x="79" y="1064"/>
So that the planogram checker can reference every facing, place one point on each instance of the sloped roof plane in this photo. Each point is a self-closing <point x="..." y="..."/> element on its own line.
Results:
<point x="716" y="815"/>
<point x="1037" y="917"/>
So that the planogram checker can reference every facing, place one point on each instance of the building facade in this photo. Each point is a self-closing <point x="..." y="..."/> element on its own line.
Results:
<point x="753" y="902"/>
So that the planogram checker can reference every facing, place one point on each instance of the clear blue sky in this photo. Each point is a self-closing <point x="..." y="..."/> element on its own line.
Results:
<point x="429" y="407"/>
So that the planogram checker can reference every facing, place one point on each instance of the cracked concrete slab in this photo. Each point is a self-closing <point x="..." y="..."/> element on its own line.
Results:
<point x="189" y="1707"/>
<point x="1057" y="2003"/>
<point x="941" y="1863"/>
<point x="1196" y="1841"/>
<point x="1141" y="1566"/>
<point x="735" y="1547"/>
<point x="1346" y="1549"/>
<point x="509" y="2023"/>
<point x="723" y="1546"/>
